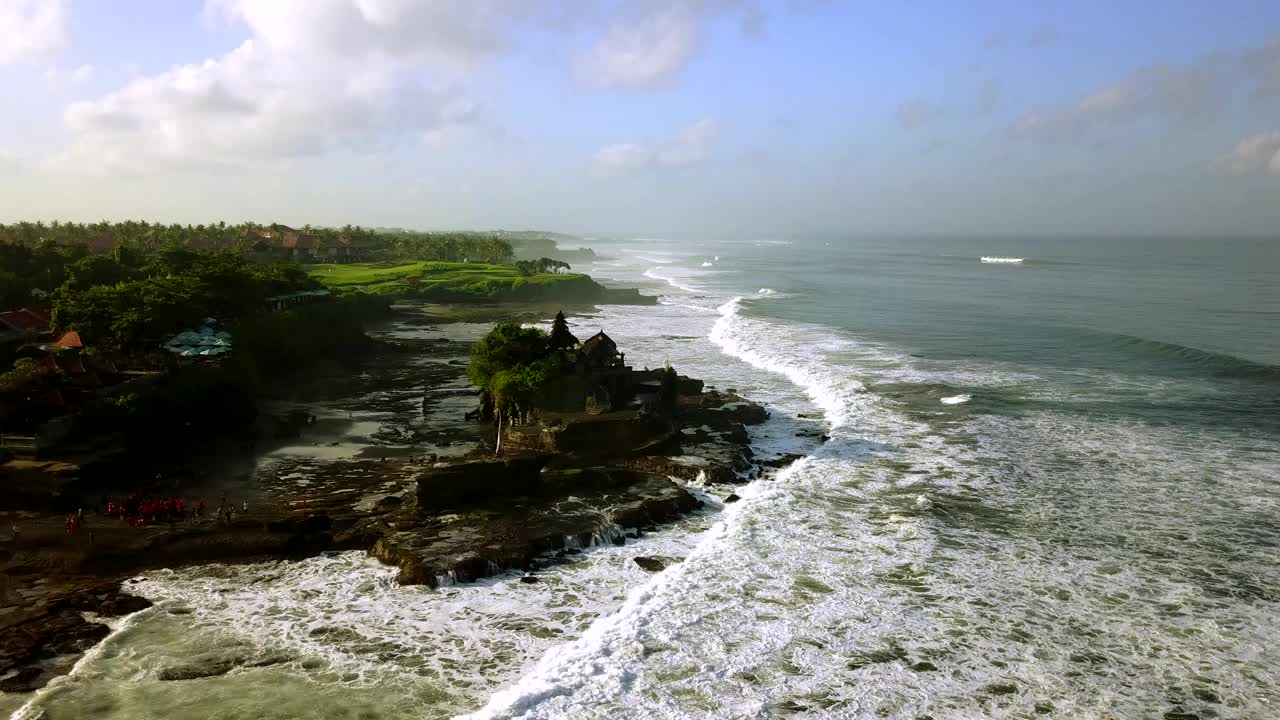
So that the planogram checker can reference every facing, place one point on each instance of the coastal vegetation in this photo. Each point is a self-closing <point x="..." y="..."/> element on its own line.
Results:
<point x="128" y="301"/>
<point x="460" y="282"/>
<point x="274" y="241"/>
<point x="512" y="367"/>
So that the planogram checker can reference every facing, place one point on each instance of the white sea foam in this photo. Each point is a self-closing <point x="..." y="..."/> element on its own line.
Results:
<point x="1007" y="260"/>
<point x="956" y="399"/>
<point x="673" y="282"/>
<point x="708" y="263"/>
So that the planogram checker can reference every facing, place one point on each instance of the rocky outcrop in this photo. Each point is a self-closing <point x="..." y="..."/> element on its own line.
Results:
<point x="650" y="564"/>
<point x="44" y="639"/>
<point x="476" y="481"/>
<point x="720" y="411"/>
<point x="221" y="663"/>
<point x="519" y="532"/>
<point x="608" y="436"/>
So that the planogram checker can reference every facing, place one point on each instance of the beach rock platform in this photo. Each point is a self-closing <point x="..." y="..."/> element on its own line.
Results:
<point x="474" y="542"/>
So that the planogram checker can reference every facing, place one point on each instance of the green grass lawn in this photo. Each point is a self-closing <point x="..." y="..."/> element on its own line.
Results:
<point x="445" y="280"/>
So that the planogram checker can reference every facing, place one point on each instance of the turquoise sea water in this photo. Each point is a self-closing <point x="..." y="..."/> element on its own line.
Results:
<point x="1050" y="489"/>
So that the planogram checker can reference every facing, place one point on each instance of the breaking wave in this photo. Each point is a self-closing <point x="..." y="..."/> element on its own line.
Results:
<point x="1211" y="363"/>
<point x="754" y="341"/>
<point x="655" y="275"/>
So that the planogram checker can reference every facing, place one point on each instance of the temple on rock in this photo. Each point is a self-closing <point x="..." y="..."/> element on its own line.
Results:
<point x="594" y="376"/>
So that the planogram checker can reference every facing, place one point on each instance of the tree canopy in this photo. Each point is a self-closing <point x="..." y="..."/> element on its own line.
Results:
<point x="512" y="367"/>
<point x="134" y="236"/>
<point x="541" y="265"/>
<point x="125" y="305"/>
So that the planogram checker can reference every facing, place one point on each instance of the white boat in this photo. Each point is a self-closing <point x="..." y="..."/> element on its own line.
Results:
<point x="991" y="259"/>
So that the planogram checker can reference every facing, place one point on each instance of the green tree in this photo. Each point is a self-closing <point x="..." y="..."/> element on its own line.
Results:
<point x="512" y="367"/>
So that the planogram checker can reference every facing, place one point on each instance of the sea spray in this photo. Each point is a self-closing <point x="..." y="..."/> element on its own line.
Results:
<point x="603" y="649"/>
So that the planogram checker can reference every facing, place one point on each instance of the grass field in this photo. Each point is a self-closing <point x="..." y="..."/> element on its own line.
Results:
<point x="446" y="280"/>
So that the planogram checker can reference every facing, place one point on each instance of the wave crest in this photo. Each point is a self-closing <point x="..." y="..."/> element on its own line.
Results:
<point x="1212" y="363"/>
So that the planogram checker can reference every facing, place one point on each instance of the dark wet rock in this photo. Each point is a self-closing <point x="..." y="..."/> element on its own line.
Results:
<point x="473" y="481"/>
<point x="511" y="533"/>
<point x="104" y="600"/>
<point x="732" y="498"/>
<point x="783" y="461"/>
<point x="201" y="668"/>
<point x="924" y="666"/>
<point x="608" y="437"/>
<point x="650" y="564"/>
<point x="389" y="502"/>
<point x="42" y="645"/>
<point x="529" y="579"/>
<point x="336" y="634"/>
<point x="215" y="664"/>
<point x="688" y="385"/>
<point x="720" y="411"/>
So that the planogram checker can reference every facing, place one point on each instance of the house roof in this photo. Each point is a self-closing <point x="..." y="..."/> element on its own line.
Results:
<point x="297" y="240"/>
<point x="26" y="320"/>
<point x="600" y="344"/>
<point x="561" y="338"/>
<point x="69" y="340"/>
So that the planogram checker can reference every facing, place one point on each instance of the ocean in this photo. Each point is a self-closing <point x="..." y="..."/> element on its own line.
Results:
<point x="1051" y="489"/>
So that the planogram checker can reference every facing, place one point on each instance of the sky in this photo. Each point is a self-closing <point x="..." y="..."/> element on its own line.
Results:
<point x="647" y="116"/>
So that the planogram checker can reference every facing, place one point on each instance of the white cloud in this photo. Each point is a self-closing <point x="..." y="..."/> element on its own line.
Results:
<point x="650" y="48"/>
<point x="315" y="76"/>
<point x="1254" y="154"/>
<point x="1109" y="99"/>
<point x="458" y="32"/>
<point x="646" y="52"/>
<point x="690" y="146"/>
<point x="1188" y="94"/>
<point x="82" y="74"/>
<point x="620" y="159"/>
<point x="31" y="30"/>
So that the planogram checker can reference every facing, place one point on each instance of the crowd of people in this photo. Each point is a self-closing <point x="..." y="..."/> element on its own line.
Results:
<point x="139" y="510"/>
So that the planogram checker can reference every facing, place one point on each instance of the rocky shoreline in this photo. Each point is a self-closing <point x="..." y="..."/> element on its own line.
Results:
<point x="419" y="513"/>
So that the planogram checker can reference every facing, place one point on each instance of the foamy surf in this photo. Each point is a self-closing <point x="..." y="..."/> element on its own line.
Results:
<point x="604" y="652"/>
<point x="956" y="399"/>
<point x="1005" y="260"/>
<point x="673" y="282"/>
